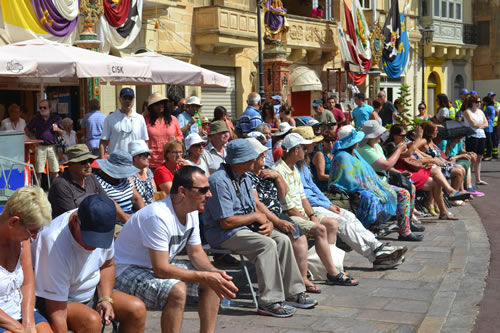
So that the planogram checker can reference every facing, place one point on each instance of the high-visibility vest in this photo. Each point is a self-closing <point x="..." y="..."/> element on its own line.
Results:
<point x="497" y="105"/>
<point x="458" y="104"/>
<point x="452" y="112"/>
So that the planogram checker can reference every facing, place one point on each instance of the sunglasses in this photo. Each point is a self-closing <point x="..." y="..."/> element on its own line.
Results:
<point x="421" y="108"/>
<point x="84" y="162"/>
<point x="43" y="107"/>
<point x="479" y="101"/>
<point x="144" y="155"/>
<point x="202" y="190"/>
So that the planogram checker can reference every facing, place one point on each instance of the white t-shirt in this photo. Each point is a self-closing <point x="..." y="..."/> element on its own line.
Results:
<point x="7" y="125"/>
<point x="120" y="130"/>
<point x="64" y="270"/>
<point x="154" y="227"/>
<point x="443" y="113"/>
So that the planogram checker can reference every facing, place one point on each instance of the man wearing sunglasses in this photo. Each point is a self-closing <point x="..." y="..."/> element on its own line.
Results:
<point x="146" y="248"/>
<point x="45" y="127"/>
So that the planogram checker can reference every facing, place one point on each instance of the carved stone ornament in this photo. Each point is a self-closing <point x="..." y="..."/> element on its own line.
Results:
<point x="91" y="10"/>
<point x="377" y="39"/>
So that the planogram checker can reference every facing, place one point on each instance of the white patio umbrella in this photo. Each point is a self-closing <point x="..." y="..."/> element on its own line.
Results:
<point x="46" y="59"/>
<point x="167" y="70"/>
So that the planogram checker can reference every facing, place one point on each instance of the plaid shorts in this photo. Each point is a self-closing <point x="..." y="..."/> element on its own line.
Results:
<point x="142" y="283"/>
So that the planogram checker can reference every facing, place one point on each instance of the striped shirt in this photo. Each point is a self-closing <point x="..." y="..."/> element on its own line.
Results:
<point x="295" y="193"/>
<point x="122" y="193"/>
<point x="249" y="120"/>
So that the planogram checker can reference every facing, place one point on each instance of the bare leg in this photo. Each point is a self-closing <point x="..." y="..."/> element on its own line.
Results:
<point x="477" y="168"/>
<point x="457" y="178"/>
<point x="130" y="312"/>
<point x="43" y="327"/>
<point x="332" y="227"/>
<point x="299" y="246"/>
<point x="438" y="196"/>
<point x="439" y="178"/>
<point x="53" y="175"/>
<point x="82" y="319"/>
<point x="172" y="314"/>
<point x="323" y="248"/>
<point x="208" y="309"/>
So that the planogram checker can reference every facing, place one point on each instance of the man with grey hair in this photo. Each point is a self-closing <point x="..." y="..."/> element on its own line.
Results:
<point x="265" y="129"/>
<point x="251" y="118"/>
<point x="388" y="109"/>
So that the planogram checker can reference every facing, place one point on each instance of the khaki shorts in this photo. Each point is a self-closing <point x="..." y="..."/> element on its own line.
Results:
<point x="44" y="153"/>
<point x="306" y="225"/>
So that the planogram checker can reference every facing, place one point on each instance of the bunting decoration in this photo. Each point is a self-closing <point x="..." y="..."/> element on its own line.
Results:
<point x="52" y="19"/>
<point x="356" y="39"/>
<point x="121" y="35"/>
<point x="396" y="46"/>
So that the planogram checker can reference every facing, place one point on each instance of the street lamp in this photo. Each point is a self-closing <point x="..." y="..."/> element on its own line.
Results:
<point x="427" y="35"/>
<point x="261" y="65"/>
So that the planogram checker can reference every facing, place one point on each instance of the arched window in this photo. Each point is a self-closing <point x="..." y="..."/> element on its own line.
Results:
<point x="458" y="84"/>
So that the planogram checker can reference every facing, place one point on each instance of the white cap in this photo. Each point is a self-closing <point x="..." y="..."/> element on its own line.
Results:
<point x="138" y="147"/>
<point x="283" y="128"/>
<point x="192" y="139"/>
<point x="312" y="122"/>
<point x="257" y="135"/>
<point x="257" y="146"/>
<point x="194" y="100"/>
<point x="293" y="140"/>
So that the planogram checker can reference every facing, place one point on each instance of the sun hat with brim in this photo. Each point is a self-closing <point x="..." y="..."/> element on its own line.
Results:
<point x="293" y="140"/>
<point x="78" y="153"/>
<point x="97" y="215"/>
<point x="204" y="120"/>
<point x="313" y="123"/>
<point x="307" y="133"/>
<point x="118" y="165"/>
<point x="194" y="100"/>
<point x="218" y="126"/>
<point x="138" y="147"/>
<point x="257" y="146"/>
<point x="192" y="139"/>
<point x="283" y="128"/>
<point x="155" y="98"/>
<point x="372" y="129"/>
<point x="240" y="151"/>
<point x="348" y="136"/>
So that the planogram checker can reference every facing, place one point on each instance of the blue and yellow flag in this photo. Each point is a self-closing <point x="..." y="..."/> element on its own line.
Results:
<point x="397" y="45"/>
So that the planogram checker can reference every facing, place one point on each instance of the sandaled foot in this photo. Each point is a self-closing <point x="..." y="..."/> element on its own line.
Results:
<point x="431" y="210"/>
<point x="481" y="182"/>
<point x="342" y="279"/>
<point x="313" y="289"/>
<point x="448" y="216"/>
<point x="459" y="196"/>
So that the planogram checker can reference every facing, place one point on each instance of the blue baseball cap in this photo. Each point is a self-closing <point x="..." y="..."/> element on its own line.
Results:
<point x="97" y="215"/>
<point x="473" y="92"/>
<point x="491" y="94"/>
<point x="240" y="151"/>
<point x="277" y="97"/>
<point x="127" y="92"/>
<point x="464" y="91"/>
<point x="317" y="102"/>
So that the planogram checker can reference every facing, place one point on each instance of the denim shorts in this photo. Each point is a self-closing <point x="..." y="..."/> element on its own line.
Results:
<point x="38" y="319"/>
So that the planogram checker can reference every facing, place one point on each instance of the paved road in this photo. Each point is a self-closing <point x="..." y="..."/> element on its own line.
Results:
<point x="437" y="289"/>
<point x="489" y="319"/>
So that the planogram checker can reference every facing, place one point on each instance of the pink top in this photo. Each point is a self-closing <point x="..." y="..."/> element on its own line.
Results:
<point x="315" y="12"/>
<point x="159" y="134"/>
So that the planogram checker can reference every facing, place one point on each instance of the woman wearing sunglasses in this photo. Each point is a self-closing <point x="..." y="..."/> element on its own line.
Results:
<point x="143" y="180"/>
<point x="475" y="119"/>
<point x="195" y="146"/>
<point x="322" y="161"/>
<point x="24" y="215"/>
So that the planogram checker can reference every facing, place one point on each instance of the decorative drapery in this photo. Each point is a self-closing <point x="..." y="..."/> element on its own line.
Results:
<point x="397" y="45"/>
<point x="122" y="36"/>
<point x="116" y="11"/>
<point x="50" y="18"/>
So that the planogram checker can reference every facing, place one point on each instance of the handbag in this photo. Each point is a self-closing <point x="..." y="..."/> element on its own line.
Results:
<point x="413" y="165"/>
<point x="315" y="266"/>
<point x="400" y="180"/>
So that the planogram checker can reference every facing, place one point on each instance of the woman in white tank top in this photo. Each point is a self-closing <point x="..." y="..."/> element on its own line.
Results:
<point x="475" y="119"/>
<point x="24" y="215"/>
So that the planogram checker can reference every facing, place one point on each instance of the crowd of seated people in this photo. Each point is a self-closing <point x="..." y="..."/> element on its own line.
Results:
<point x="265" y="190"/>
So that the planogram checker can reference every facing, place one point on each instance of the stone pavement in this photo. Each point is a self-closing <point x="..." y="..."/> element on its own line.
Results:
<point x="437" y="289"/>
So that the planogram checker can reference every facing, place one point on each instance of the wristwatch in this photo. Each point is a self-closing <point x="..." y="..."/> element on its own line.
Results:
<point x="311" y="215"/>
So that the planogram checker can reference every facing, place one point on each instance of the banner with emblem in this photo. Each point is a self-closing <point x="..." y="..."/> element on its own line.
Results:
<point x="397" y="45"/>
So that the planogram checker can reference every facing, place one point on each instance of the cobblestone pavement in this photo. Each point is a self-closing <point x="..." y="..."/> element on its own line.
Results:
<point x="437" y="289"/>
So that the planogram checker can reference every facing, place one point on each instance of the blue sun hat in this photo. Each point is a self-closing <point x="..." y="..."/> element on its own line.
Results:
<point x="240" y="151"/>
<point x="348" y="136"/>
<point x="118" y="165"/>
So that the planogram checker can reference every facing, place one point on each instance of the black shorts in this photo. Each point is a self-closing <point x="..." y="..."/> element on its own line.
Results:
<point x="475" y="145"/>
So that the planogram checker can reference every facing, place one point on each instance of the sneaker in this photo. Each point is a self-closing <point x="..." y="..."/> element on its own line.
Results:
<point x="301" y="301"/>
<point x="387" y="263"/>
<point x="387" y="252"/>
<point x="476" y="193"/>
<point x="278" y="309"/>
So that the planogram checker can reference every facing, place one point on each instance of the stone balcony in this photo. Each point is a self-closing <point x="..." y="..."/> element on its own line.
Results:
<point x="221" y="28"/>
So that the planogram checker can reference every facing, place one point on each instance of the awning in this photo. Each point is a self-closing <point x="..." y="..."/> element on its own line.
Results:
<point x="303" y="78"/>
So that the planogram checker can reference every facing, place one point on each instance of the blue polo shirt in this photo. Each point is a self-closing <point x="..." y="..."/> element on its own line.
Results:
<point x="361" y="114"/>
<point x="313" y="193"/>
<point x="184" y="119"/>
<point x="249" y="120"/>
<point x="226" y="202"/>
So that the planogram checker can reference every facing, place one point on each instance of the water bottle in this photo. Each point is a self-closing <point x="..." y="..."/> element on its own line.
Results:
<point x="198" y="121"/>
<point x="225" y="304"/>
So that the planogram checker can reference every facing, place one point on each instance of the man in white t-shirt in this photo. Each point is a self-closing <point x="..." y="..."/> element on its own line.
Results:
<point x="145" y="253"/>
<point x="75" y="271"/>
<point x="122" y="126"/>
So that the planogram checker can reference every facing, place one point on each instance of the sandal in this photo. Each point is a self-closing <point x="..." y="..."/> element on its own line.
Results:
<point x="314" y="289"/>
<point x="430" y="210"/>
<point x="448" y="216"/>
<point x="341" y="279"/>
<point x="481" y="182"/>
<point x="459" y="196"/>
<point x="457" y="203"/>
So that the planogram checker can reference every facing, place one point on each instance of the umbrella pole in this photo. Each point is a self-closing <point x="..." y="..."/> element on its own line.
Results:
<point x="42" y="92"/>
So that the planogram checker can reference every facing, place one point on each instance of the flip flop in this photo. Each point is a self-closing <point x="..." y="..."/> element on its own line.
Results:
<point x="314" y="289"/>
<point x="448" y="216"/>
<point x="481" y="182"/>
<point x="459" y="196"/>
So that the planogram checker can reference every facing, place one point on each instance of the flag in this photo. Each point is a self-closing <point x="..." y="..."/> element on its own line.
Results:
<point x="396" y="45"/>
<point x="361" y="54"/>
